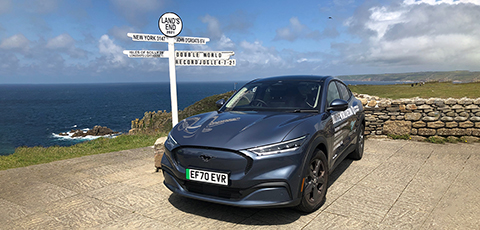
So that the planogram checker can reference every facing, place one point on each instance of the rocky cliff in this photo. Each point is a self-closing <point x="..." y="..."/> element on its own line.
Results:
<point x="161" y="121"/>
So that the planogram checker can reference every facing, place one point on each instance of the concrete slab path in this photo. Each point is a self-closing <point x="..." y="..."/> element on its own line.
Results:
<point x="398" y="185"/>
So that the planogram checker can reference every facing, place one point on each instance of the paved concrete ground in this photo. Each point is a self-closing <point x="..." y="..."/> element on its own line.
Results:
<point x="398" y="184"/>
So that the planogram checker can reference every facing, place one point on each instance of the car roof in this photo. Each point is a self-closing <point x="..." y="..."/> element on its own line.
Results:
<point x="294" y="77"/>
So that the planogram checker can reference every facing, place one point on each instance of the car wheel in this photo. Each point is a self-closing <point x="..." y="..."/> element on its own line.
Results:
<point x="315" y="184"/>
<point x="357" y="154"/>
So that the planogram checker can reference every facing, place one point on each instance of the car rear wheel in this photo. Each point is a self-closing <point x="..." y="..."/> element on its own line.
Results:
<point x="315" y="183"/>
<point x="357" y="154"/>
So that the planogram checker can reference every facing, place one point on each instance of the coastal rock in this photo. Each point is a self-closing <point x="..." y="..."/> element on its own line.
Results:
<point x="100" y="131"/>
<point x="96" y="131"/>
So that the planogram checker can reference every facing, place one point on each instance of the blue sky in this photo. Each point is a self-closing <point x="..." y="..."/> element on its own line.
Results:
<point x="53" y="41"/>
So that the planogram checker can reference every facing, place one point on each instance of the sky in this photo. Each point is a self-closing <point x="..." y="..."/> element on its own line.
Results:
<point x="82" y="41"/>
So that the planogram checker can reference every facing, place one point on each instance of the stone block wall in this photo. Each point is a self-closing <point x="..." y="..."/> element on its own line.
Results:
<point x="421" y="117"/>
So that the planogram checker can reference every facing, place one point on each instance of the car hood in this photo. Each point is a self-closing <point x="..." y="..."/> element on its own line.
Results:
<point x="236" y="130"/>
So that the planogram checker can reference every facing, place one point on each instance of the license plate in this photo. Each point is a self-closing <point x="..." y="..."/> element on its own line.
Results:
<point x="208" y="177"/>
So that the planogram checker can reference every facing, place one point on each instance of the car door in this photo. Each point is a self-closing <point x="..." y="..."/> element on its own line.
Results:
<point x="340" y="123"/>
<point x="349" y="114"/>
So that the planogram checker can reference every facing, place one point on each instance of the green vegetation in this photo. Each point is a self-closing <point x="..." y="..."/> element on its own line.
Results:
<point x="459" y="75"/>
<point x="161" y="121"/>
<point x="25" y="156"/>
<point x="430" y="89"/>
<point x="436" y="140"/>
<point x="403" y="137"/>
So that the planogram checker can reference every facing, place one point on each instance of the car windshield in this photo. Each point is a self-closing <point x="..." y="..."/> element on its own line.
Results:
<point x="295" y="96"/>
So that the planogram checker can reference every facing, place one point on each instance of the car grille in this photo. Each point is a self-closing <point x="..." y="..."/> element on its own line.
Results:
<point x="213" y="190"/>
<point x="223" y="160"/>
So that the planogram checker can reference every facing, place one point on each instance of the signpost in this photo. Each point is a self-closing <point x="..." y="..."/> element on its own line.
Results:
<point x="138" y="37"/>
<point x="146" y="53"/>
<point x="170" y="24"/>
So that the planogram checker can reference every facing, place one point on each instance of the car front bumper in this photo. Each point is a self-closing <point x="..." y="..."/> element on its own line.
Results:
<point x="267" y="181"/>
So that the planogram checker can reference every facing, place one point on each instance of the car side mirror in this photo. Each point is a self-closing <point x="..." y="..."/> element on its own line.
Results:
<point x="338" y="105"/>
<point x="220" y="103"/>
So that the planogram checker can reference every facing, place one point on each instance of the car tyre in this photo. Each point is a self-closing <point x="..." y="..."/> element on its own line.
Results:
<point x="316" y="183"/>
<point x="357" y="154"/>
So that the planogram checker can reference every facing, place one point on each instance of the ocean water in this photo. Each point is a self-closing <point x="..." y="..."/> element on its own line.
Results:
<point x="34" y="115"/>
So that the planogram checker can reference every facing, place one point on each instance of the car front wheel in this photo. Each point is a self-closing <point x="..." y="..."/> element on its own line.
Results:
<point x="315" y="183"/>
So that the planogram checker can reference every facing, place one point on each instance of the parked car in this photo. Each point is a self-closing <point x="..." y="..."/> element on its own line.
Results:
<point x="272" y="144"/>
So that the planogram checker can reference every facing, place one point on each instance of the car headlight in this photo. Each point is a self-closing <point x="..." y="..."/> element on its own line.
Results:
<point x="170" y="143"/>
<point x="285" y="146"/>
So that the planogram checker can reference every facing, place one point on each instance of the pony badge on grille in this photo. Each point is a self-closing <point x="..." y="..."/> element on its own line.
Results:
<point x="206" y="158"/>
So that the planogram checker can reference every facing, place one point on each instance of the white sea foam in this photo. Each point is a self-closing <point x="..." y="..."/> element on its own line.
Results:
<point x="70" y="134"/>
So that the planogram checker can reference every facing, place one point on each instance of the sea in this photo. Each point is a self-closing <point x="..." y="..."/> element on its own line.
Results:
<point x="35" y="115"/>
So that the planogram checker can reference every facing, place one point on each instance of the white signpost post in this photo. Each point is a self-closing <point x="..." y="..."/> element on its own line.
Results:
<point x="170" y="24"/>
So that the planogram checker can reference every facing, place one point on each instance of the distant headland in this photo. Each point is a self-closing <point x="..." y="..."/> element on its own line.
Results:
<point x="459" y="75"/>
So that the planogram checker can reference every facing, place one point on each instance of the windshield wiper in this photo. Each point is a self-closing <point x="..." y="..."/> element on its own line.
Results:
<point x="305" y="111"/>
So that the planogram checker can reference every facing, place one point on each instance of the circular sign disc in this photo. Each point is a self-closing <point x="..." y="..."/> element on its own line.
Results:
<point x="170" y="24"/>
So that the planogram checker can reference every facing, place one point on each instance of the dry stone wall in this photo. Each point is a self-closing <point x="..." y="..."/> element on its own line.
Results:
<point x="421" y="118"/>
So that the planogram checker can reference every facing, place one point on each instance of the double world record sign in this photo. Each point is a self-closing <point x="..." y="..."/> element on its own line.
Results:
<point x="204" y="58"/>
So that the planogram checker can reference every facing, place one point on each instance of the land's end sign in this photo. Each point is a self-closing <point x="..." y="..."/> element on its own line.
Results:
<point x="170" y="24"/>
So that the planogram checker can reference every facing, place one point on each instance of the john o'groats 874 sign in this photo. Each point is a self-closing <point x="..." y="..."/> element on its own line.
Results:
<point x="170" y="24"/>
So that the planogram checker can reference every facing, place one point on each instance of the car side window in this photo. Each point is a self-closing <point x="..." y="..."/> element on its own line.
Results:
<point x="332" y="93"/>
<point x="344" y="91"/>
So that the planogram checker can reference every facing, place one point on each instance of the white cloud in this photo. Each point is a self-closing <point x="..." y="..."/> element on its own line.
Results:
<point x="292" y="32"/>
<point x="296" y="30"/>
<point x="16" y="42"/>
<point x="416" y="34"/>
<point x="112" y="52"/>
<point x="438" y="2"/>
<point x="255" y="53"/>
<point x="62" y="41"/>
<point x="225" y="43"/>
<point x="120" y="33"/>
<point x="213" y="26"/>
<point x="381" y="20"/>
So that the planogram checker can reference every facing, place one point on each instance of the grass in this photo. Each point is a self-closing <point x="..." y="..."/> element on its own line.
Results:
<point x="25" y="156"/>
<point x="430" y="89"/>
<point x="402" y="137"/>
